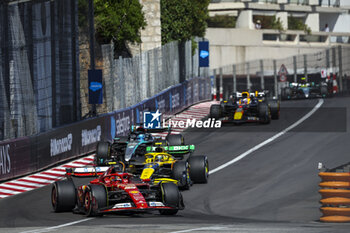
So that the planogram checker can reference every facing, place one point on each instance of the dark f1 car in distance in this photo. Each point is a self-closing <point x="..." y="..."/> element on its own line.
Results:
<point x="304" y="90"/>
<point x="133" y="146"/>
<point x="246" y="107"/>
<point x="112" y="192"/>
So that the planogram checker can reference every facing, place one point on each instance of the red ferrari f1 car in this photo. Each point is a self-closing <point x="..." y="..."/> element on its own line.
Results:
<point x="114" y="191"/>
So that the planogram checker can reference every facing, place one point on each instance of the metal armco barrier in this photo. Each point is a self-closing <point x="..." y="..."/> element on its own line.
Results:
<point x="22" y="156"/>
<point x="335" y="192"/>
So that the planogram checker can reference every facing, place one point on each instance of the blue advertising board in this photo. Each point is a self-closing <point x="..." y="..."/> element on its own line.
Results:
<point x="203" y="53"/>
<point x="95" y="87"/>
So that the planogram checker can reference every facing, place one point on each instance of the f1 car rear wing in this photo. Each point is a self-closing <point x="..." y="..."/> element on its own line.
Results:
<point x="134" y="128"/>
<point x="86" y="171"/>
<point x="183" y="149"/>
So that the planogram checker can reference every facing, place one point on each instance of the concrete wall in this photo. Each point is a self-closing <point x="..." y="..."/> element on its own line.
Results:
<point x="151" y="35"/>
<point x="232" y="46"/>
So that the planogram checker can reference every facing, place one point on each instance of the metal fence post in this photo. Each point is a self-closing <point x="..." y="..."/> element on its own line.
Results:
<point x="234" y="78"/>
<point x="305" y="67"/>
<point x="262" y="81"/>
<point x="340" y="68"/>
<point x="221" y="85"/>
<point x="122" y="82"/>
<point x="327" y="60"/>
<point x="214" y="85"/>
<point x="248" y="76"/>
<point x="275" y="77"/>
<point x="295" y="69"/>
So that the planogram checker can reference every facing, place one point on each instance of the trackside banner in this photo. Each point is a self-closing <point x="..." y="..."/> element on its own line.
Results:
<point x="25" y="155"/>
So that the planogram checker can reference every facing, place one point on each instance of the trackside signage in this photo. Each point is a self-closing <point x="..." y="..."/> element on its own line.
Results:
<point x="5" y="160"/>
<point x="15" y="158"/>
<point x="90" y="136"/>
<point x="61" y="145"/>
<point x="22" y="156"/>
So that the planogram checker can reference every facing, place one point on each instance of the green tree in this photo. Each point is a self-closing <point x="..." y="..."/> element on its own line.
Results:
<point x="298" y="24"/>
<point x="222" y="21"/>
<point x="117" y="21"/>
<point x="183" y="19"/>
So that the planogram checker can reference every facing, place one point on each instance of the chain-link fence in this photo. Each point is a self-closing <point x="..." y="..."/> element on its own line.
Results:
<point x="39" y="72"/>
<point x="329" y="65"/>
<point x="128" y="81"/>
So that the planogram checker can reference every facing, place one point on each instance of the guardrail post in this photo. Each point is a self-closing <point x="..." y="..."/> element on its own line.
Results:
<point x="275" y="78"/>
<point x="262" y="81"/>
<point x="248" y="77"/>
<point x="234" y="78"/>
<point x="340" y="68"/>
<point x="295" y="69"/>
<point x="305" y="67"/>
<point x="214" y="85"/>
<point x="221" y="85"/>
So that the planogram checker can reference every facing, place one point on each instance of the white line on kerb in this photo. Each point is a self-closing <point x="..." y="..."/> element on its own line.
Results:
<point x="241" y="156"/>
<point x="56" y="227"/>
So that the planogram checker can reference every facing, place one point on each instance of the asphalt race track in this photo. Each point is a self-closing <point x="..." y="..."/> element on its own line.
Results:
<point x="272" y="189"/>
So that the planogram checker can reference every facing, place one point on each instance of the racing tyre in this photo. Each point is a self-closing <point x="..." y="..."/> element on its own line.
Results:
<point x="175" y="140"/>
<point x="324" y="91"/>
<point x="170" y="197"/>
<point x="199" y="169"/>
<point x="94" y="199"/>
<point x="181" y="173"/>
<point x="264" y="113"/>
<point x="274" y="109"/>
<point x="63" y="196"/>
<point x="102" y="153"/>
<point x="286" y="94"/>
<point x="215" y="111"/>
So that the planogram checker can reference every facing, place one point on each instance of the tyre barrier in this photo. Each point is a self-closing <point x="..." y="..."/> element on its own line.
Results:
<point x="335" y="196"/>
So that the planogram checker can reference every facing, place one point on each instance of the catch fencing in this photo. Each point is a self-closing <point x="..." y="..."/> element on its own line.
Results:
<point x="128" y="81"/>
<point x="39" y="72"/>
<point x="269" y="74"/>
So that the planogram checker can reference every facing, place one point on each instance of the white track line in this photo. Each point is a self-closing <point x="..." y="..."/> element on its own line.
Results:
<point x="201" y="229"/>
<point x="56" y="227"/>
<point x="241" y="156"/>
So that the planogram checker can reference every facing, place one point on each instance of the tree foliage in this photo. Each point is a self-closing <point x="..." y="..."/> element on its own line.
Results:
<point x="183" y="19"/>
<point x="298" y="24"/>
<point x="222" y="21"/>
<point x="118" y="21"/>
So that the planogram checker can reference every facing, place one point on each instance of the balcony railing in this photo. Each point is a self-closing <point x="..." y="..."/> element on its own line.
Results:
<point x="299" y="37"/>
<point x="324" y="3"/>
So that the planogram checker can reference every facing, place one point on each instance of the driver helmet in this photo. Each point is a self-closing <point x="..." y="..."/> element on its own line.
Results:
<point x="159" y="158"/>
<point x="140" y="129"/>
<point x="140" y="137"/>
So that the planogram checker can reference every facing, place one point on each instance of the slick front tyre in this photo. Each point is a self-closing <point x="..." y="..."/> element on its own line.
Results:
<point x="94" y="199"/>
<point x="199" y="168"/>
<point x="175" y="140"/>
<point x="324" y="91"/>
<point x="215" y="111"/>
<point x="275" y="109"/>
<point x="170" y="197"/>
<point x="181" y="173"/>
<point x="264" y="113"/>
<point x="63" y="196"/>
<point x="102" y="153"/>
<point x="287" y="93"/>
